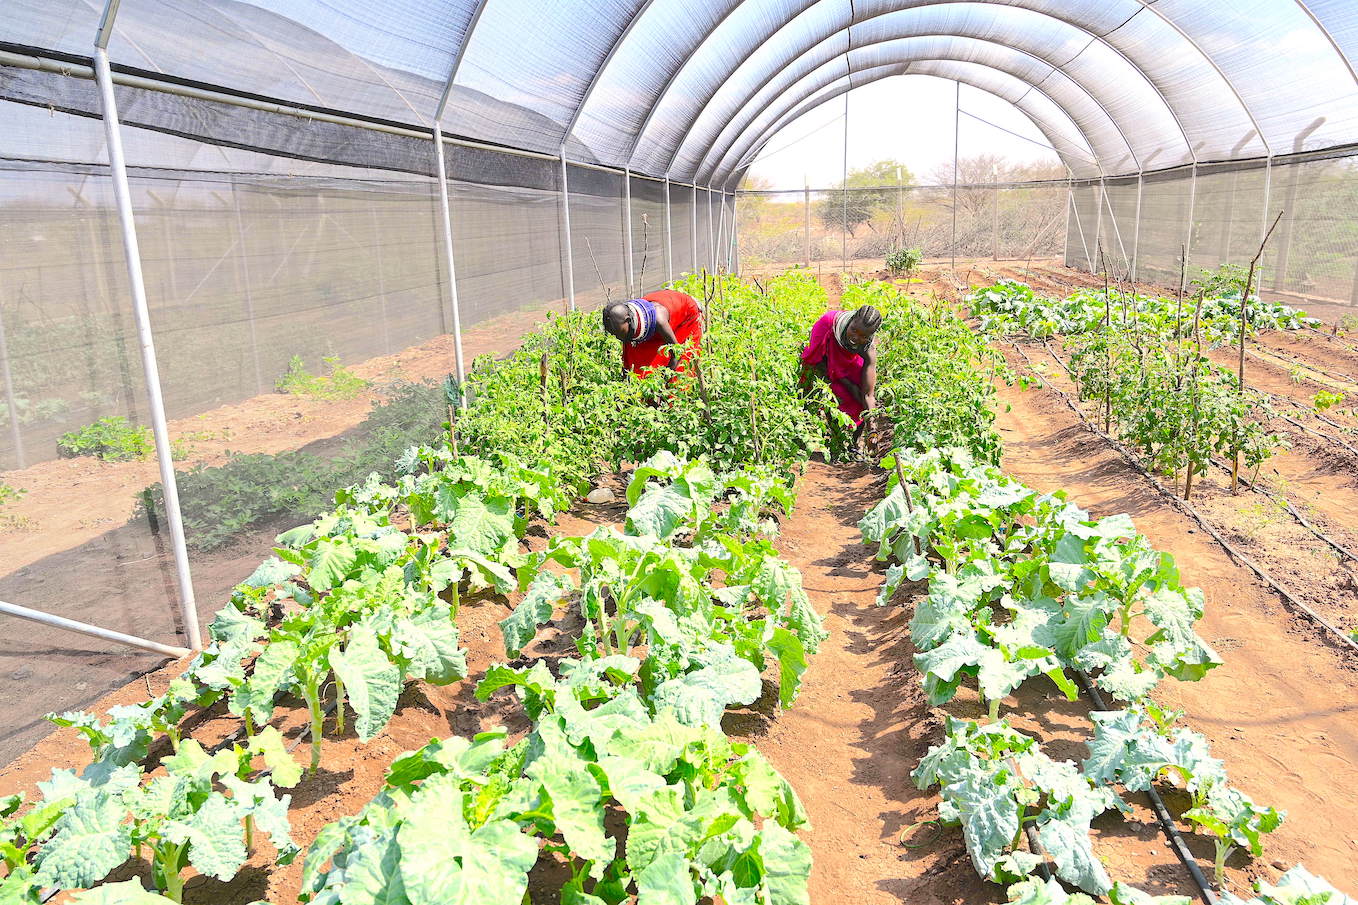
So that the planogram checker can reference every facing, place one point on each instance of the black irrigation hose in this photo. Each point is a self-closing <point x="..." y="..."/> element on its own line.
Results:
<point x="1176" y="840"/>
<point x="1300" y="362"/>
<point x="1184" y="506"/>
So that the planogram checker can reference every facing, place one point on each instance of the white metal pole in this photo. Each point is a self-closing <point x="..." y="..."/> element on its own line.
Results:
<point x="711" y="233"/>
<point x="669" y="236"/>
<point x="735" y="235"/>
<point x="719" y="244"/>
<point x="122" y="194"/>
<point x="568" y="259"/>
<point x="627" y="233"/>
<point x="693" y="227"/>
<point x="23" y="612"/>
<point x="448" y="252"/>
<point x="1188" y="239"/>
<point x="844" y="194"/>
<point x="1136" y="232"/>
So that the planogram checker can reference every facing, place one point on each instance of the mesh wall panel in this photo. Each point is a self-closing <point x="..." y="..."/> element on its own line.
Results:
<point x="1314" y="250"/>
<point x="703" y="235"/>
<point x="1165" y="199"/>
<point x="1228" y="216"/>
<point x="648" y="234"/>
<point x="596" y="236"/>
<point x="681" y="229"/>
<point x="71" y="544"/>
<point x="1081" y="226"/>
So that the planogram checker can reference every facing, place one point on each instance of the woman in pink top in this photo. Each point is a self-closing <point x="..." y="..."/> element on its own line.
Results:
<point x="841" y="352"/>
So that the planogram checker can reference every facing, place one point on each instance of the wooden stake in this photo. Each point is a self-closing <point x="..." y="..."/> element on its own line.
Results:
<point x="1244" y="324"/>
<point x="702" y="391"/>
<point x="1108" y="345"/>
<point x="452" y="430"/>
<point x="905" y="489"/>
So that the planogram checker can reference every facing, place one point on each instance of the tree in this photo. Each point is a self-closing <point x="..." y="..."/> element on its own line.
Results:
<point x="869" y="191"/>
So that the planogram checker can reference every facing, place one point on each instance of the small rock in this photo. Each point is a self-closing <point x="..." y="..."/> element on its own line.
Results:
<point x="1279" y="864"/>
<point x="600" y="495"/>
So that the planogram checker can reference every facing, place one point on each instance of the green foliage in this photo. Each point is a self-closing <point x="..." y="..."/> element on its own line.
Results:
<point x="994" y="781"/>
<point x="112" y="439"/>
<point x="1030" y="585"/>
<point x="221" y="501"/>
<point x="1296" y="887"/>
<point x="932" y="386"/>
<point x="1325" y="400"/>
<point x="465" y="821"/>
<point x="340" y="383"/>
<point x="857" y="198"/>
<point x="587" y="417"/>
<point x="903" y="261"/>
<point x="10" y="494"/>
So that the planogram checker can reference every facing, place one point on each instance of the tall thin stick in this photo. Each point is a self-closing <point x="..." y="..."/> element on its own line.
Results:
<point x="608" y="293"/>
<point x="1107" y="344"/>
<point x="1244" y="325"/>
<point x="905" y="489"/>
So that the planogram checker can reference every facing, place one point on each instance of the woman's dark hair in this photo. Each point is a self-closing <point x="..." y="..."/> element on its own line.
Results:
<point x="614" y="316"/>
<point x="866" y="318"/>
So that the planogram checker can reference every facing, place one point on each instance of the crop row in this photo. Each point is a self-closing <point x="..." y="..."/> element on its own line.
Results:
<point x="1140" y="360"/>
<point x="1023" y="585"/>
<point x="365" y="599"/>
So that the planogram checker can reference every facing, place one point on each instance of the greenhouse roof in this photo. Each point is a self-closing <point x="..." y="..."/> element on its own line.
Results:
<point x="694" y="90"/>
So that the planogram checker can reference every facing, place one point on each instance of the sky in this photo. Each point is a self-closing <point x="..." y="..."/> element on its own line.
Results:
<point x="908" y="118"/>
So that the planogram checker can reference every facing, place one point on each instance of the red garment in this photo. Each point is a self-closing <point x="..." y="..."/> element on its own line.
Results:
<point x="840" y="364"/>
<point x="686" y="319"/>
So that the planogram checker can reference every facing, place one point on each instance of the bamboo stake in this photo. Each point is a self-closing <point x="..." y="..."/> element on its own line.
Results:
<point x="1244" y="323"/>
<point x="1107" y="345"/>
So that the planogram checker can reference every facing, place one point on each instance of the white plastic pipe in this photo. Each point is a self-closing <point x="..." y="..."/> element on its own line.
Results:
<point x="448" y="252"/>
<point x="23" y="612"/>
<point x="122" y="195"/>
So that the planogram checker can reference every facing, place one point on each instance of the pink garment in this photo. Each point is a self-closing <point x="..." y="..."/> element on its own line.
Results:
<point x="840" y="364"/>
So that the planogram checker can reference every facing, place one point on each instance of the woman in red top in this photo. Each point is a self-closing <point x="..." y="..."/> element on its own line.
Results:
<point x="840" y="351"/>
<point x="648" y="324"/>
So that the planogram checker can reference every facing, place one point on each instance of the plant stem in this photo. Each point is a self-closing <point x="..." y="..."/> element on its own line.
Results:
<point x="339" y="704"/>
<point x="313" y="699"/>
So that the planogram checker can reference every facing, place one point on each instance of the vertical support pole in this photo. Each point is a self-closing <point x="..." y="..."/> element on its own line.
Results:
<point x="711" y="232"/>
<point x="735" y="235"/>
<point x="568" y="252"/>
<point x="381" y="281"/>
<point x="844" y="195"/>
<point x="956" y="146"/>
<point x="719" y="242"/>
<point x="16" y="436"/>
<point x="693" y="228"/>
<point x="1136" y="230"/>
<point x="1098" y="225"/>
<point x="448" y="252"/>
<point x="627" y="233"/>
<point x="669" y="236"/>
<point x="806" y="213"/>
<point x="122" y="193"/>
<point x="1263" y="219"/>
<point x="1188" y="238"/>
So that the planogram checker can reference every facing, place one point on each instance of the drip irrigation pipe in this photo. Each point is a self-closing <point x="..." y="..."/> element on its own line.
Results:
<point x="1176" y="840"/>
<point x="1187" y="508"/>
<point x="1282" y="501"/>
<point x="1330" y="337"/>
<point x="1266" y="354"/>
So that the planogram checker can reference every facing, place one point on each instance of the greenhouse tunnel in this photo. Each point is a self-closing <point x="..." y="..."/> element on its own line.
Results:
<point x="287" y="162"/>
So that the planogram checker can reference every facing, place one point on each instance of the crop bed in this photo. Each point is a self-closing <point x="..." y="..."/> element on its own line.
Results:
<point x="711" y="687"/>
